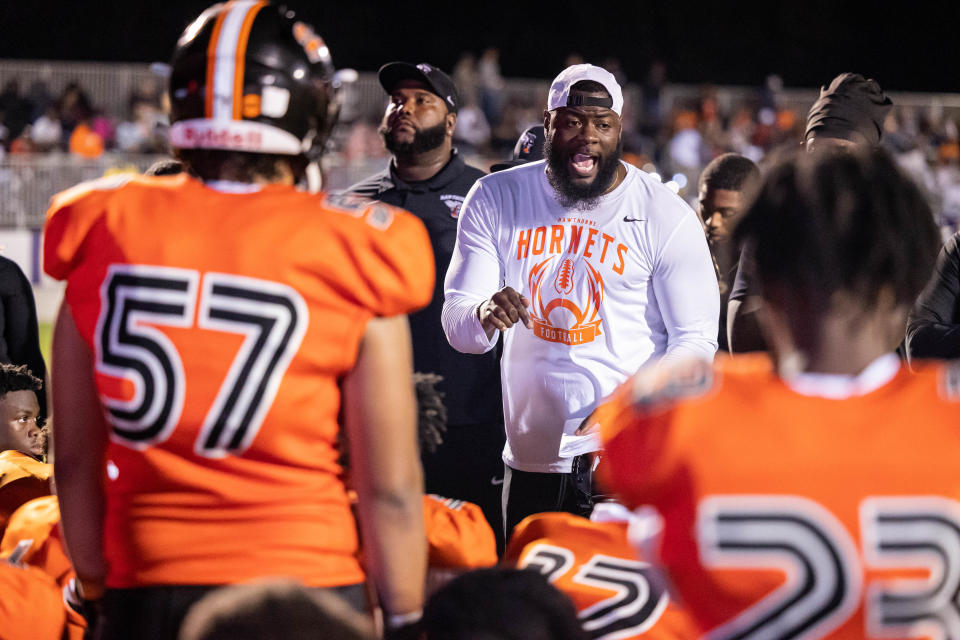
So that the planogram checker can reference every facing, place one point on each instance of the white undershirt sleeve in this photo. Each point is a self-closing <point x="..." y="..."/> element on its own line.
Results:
<point x="687" y="292"/>
<point x="475" y="274"/>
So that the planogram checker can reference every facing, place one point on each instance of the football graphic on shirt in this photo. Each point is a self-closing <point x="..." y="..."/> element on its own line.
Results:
<point x="563" y="283"/>
<point x="569" y="311"/>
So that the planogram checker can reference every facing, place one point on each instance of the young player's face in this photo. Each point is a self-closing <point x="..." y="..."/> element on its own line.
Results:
<point x="718" y="208"/>
<point x="18" y="411"/>
<point x="416" y="118"/>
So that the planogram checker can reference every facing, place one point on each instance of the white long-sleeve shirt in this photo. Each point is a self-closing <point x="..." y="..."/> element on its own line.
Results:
<point x="609" y="288"/>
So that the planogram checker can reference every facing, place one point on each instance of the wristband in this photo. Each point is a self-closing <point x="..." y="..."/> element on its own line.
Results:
<point x="396" y="620"/>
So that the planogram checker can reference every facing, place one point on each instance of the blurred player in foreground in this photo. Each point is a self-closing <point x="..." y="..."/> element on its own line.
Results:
<point x="215" y="324"/>
<point x="617" y="593"/>
<point x="816" y="495"/>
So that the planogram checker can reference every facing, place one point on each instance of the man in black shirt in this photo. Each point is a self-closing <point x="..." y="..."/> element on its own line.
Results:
<point x="427" y="177"/>
<point x="849" y="114"/>
<point x="933" y="328"/>
<point x="19" y="333"/>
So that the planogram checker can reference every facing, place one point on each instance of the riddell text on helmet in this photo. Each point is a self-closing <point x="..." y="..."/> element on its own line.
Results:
<point x="187" y="136"/>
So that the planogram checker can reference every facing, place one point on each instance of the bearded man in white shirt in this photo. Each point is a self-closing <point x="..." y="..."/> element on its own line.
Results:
<point x="589" y="268"/>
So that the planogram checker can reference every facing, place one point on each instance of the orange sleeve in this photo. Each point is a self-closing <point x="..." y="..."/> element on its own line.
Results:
<point x="71" y="216"/>
<point x="391" y="251"/>
<point x="37" y="521"/>
<point x="458" y="535"/>
<point x="639" y="423"/>
<point x="21" y="479"/>
<point x="31" y="607"/>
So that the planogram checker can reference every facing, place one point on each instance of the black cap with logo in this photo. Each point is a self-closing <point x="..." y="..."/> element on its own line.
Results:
<point x="529" y="148"/>
<point x="435" y="80"/>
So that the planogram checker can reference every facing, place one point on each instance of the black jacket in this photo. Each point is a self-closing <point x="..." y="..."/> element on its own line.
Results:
<point x="471" y="382"/>
<point x="933" y="328"/>
<point x="19" y="335"/>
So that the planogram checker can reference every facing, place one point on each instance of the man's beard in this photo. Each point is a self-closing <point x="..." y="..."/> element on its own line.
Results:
<point x="423" y="140"/>
<point x="571" y="195"/>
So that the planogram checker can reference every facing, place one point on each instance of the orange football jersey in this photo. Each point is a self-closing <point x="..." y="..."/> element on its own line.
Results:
<point x="220" y="321"/>
<point x="30" y="605"/>
<point x="22" y="478"/>
<point x="797" y="516"/>
<point x="458" y="535"/>
<point x="36" y="523"/>
<point x="618" y="596"/>
<point x="35" y="526"/>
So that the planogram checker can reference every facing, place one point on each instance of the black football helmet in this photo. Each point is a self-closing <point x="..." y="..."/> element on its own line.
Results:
<point x="247" y="76"/>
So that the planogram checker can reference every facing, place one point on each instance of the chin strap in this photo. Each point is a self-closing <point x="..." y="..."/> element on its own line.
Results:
<point x="314" y="177"/>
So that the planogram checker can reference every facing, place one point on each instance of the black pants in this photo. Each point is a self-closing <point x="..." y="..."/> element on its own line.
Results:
<point x="526" y="493"/>
<point x="468" y="465"/>
<point x="155" y="613"/>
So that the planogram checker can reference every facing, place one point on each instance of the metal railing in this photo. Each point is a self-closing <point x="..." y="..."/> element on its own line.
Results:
<point x="28" y="181"/>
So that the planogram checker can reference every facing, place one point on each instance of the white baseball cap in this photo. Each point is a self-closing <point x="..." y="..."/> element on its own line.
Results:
<point x="559" y="95"/>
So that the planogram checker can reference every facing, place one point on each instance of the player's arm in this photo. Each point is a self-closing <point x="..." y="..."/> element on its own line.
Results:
<point x="475" y="307"/>
<point x="79" y="445"/>
<point x="380" y="414"/>
<point x="933" y="328"/>
<point x="687" y="292"/>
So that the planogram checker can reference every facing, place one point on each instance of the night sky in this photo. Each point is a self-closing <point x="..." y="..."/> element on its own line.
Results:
<point x="910" y="48"/>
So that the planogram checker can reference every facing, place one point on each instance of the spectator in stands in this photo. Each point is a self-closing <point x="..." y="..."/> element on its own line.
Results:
<point x="74" y="107"/>
<point x="491" y="84"/>
<point x="16" y="109"/>
<point x="466" y="77"/>
<point x="46" y="131"/>
<point x="39" y="98"/>
<point x="138" y="134"/>
<point x="85" y="142"/>
<point x="933" y="328"/>
<point x="23" y="143"/>
<point x="4" y="135"/>
<point x="500" y="604"/>
<point x="428" y="177"/>
<point x="473" y="131"/>
<point x="722" y="193"/>
<point x="273" y="610"/>
<point x="849" y="113"/>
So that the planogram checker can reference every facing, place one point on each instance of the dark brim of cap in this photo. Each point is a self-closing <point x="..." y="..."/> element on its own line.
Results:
<point x="393" y="72"/>
<point x="507" y="164"/>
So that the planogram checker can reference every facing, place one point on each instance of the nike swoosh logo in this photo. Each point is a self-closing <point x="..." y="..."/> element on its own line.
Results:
<point x="626" y="219"/>
<point x="495" y="480"/>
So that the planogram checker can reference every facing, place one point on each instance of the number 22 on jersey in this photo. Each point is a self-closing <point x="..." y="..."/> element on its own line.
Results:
<point x="136" y="299"/>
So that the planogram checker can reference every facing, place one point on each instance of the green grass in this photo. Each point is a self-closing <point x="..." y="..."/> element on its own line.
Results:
<point x="46" y="335"/>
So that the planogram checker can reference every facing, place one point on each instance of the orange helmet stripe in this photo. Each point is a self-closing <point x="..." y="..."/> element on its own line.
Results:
<point x="240" y="59"/>
<point x="225" y="58"/>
